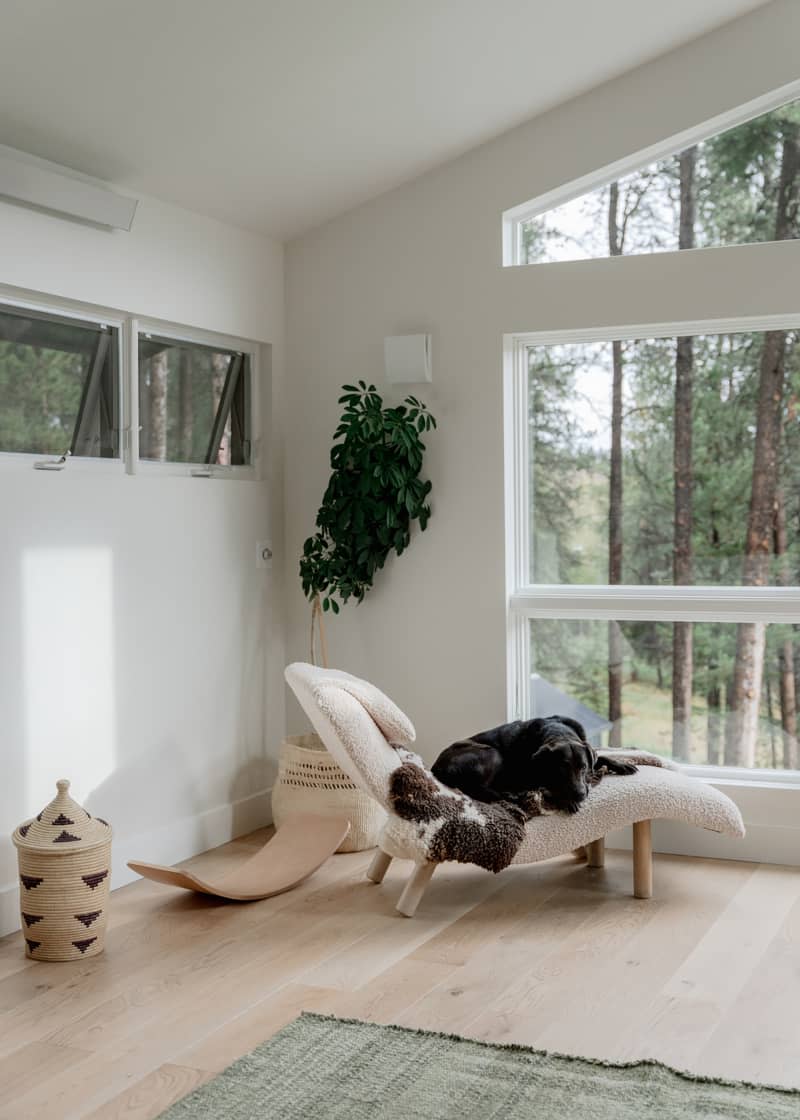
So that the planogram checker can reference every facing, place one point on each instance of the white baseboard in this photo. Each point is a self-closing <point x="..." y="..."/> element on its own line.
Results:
<point x="762" y="844"/>
<point x="179" y="840"/>
<point x="770" y="814"/>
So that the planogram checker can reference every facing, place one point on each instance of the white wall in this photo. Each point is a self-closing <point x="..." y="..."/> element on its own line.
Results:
<point x="140" y="651"/>
<point x="427" y="257"/>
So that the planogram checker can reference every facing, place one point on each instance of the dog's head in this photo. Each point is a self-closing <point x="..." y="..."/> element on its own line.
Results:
<point x="564" y="764"/>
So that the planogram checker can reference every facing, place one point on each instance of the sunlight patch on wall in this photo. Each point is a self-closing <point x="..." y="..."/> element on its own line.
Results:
<point x="68" y="662"/>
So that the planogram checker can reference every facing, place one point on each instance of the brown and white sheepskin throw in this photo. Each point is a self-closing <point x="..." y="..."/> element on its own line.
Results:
<point x="455" y="826"/>
<point x="452" y="826"/>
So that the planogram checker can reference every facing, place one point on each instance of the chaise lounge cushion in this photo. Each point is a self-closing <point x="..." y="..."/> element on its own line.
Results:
<point x="649" y="794"/>
<point x="351" y="733"/>
<point x="653" y="792"/>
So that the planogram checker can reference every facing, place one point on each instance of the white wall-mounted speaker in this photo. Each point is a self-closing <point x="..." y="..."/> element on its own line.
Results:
<point x="408" y="358"/>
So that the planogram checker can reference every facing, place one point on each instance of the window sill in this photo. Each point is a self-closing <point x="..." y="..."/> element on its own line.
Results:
<point x="144" y="467"/>
<point x="732" y="777"/>
<point x="22" y="461"/>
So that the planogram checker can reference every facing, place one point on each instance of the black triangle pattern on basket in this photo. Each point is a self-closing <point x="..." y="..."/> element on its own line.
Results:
<point x="30" y="881"/>
<point x="24" y="829"/>
<point x="65" y="838"/>
<point x="87" y="919"/>
<point x="61" y="819"/>
<point x="32" y="919"/>
<point x="84" y="945"/>
<point x="32" y="944"/>
<point x="93" y="880"/>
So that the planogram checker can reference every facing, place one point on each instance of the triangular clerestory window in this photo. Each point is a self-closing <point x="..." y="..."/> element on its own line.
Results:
<point x="740" y="185"/>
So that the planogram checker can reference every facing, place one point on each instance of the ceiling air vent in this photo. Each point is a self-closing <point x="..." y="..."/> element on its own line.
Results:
<point x="31" y="182"/>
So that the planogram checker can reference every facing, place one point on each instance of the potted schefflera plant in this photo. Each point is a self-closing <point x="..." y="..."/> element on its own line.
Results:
<point x="374" y="496"/>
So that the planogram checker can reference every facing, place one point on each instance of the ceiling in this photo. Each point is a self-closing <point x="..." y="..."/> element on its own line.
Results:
<point x="276" y="115"/>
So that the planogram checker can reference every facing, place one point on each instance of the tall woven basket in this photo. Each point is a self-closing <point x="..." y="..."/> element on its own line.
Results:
<point x="311" y="781"/>
<point x="64" y="877"/>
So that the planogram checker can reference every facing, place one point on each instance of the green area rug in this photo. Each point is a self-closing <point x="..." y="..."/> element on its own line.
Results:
<point x="341" y="1069"/>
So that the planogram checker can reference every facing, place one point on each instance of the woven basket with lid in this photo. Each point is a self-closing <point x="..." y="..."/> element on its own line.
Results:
<point x="64" y="876"/>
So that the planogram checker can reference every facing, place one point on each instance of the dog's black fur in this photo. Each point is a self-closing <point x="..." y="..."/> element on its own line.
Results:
<point x="506" y="762"/>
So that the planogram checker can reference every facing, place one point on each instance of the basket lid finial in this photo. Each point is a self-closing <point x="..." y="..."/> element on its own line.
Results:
<point x="62" y="826"/>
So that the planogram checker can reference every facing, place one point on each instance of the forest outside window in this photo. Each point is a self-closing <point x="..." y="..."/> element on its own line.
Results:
<point x="194" y="403"/>
<point x="738" y="186"/>
<point x="707" y="729"/>
<point x="666" y="471"/>
<point x="59" y="385"/>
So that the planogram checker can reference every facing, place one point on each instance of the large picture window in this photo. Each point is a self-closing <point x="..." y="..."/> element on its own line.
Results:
<point x="657" y="529"/>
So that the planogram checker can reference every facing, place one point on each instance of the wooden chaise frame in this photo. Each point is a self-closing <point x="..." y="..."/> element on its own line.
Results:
<point x="422" y="873"/>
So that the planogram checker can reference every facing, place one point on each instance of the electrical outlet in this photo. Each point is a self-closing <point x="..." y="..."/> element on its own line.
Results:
<point x="264" y="554"/>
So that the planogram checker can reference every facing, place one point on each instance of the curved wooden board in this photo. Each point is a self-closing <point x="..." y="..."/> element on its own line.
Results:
<point x="298" y="848"/>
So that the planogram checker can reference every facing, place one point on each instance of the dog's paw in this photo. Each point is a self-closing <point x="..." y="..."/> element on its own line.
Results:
<point x="569" y="807"/>
<point x="609" y="765"/>
<point x="626" y="768"/>
<point x="513" y="798"/>
<point x="532" y="803"/>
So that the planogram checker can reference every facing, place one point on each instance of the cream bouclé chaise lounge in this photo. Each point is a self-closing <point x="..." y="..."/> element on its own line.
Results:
<point x="428" y="823"/>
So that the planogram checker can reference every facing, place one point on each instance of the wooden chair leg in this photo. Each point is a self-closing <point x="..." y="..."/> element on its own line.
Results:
<point x="415" y="888"/>
<point x="596" y="853"/>
<point x="642" y="860"/>
<point x="379" y="866"/>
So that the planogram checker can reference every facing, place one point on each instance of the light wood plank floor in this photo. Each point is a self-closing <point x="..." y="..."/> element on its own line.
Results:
<point x="705" y="976"/>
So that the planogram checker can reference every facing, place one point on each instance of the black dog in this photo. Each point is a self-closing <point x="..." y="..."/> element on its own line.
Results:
<point x="506" y="762"/>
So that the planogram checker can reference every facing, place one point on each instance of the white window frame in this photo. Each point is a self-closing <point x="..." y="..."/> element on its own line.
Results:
<point x="526" y="600"/>
<point x="138" y="465"/>
<point x="25" y="460"/>
<point x="514" y="218"/>
<point x="128" y="328"/>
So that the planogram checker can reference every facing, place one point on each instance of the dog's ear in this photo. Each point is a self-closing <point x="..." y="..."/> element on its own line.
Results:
<point x="578" y="728"/>
<point x="591" y="756"/>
